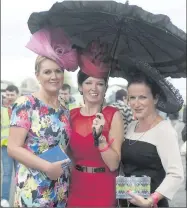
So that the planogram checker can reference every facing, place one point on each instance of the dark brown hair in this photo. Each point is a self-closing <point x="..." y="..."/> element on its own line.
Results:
<point x="81" y="77"/>
<point x="141" y="78"/>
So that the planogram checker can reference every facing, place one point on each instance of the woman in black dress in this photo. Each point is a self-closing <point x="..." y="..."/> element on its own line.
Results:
<point x="151" y="144"/>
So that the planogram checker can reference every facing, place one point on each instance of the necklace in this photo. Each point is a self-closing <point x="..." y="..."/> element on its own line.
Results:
<point x="131" y="143"/>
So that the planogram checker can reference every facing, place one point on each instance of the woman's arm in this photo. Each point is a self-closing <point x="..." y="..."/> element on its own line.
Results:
<point x="21" y="122"/>
<point x="17" y="151"/>
<point x="70" y="155"/>
<point x="112" y="155"/>
<point x="168" y="150"/>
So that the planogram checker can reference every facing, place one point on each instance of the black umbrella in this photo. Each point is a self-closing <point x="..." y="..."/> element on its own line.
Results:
<point x="128" y="29"/>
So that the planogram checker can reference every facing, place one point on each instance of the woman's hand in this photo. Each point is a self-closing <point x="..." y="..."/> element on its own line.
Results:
<point x="139" y="200"/>
<point x="98" y="122"/>
<point x="55" y="170"/>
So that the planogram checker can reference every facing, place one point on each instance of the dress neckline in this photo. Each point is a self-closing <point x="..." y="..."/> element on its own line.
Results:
<point x="91" y="116"/>
<point x="48" y="106"/>
<point x="138" y="133"/>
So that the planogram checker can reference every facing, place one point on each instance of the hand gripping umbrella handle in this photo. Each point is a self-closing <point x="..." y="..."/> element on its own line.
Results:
<point x="96" y="136"/>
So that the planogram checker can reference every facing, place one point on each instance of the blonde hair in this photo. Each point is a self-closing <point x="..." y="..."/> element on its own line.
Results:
<point x="38" y="62"/>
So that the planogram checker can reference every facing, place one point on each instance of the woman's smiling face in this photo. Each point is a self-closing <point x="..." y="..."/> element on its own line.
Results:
<point x="93" y="90"/>
<point x="141" y="100"/>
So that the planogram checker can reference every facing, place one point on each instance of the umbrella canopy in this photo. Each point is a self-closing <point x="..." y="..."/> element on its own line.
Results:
<point x="128" y="29"/>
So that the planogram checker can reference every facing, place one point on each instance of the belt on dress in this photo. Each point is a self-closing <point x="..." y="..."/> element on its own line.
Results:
<point x="90" y="169"/>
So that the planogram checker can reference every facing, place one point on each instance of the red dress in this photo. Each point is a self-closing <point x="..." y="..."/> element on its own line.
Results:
<point x="90" y="189"/>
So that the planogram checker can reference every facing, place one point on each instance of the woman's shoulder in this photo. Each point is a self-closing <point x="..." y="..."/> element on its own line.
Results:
<point x="164" y="124"/>
<point x="74" y="112"/>
<point x="163" y="131"/>
<point x="24" y="100"/>
<point x="110" y="109"/>
<point x="166" y="127"/>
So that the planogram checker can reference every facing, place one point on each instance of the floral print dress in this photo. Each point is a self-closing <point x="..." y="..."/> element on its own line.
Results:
<point x="47" y="128"/>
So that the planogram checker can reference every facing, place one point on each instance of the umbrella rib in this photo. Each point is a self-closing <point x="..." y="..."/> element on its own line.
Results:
<point x="80" y="24"/>
<point x="164" y="51"/>
<point x="157" y="27"/>
<point x="139" y="30"/>
<point x="152" y="34"/>
<point x="127" y="42"/>
<point x="94" y="30"/>
<point x="170" y="63"/>
<point x="137" y="39"/>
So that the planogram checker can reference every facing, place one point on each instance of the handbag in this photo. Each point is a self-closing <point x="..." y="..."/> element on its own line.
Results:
<point x="140" y="185"/>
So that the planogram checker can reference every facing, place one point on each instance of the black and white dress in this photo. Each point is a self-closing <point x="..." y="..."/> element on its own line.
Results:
<point x="156" y="154"/>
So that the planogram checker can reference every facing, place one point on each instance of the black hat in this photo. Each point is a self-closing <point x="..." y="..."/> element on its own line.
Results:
<point x="170" y="100"/>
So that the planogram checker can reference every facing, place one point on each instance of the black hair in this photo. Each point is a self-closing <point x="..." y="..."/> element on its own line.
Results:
<point x="66" y="87"/>
<point x="12" y="88"/>
<point x="81" y="77"/>
<point x="120" y="94"/>
<point x="142" y="78"/>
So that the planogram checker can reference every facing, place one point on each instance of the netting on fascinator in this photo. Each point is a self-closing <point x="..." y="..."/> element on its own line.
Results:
<point x="95" y="59"/>
<point x="54" y="44"/>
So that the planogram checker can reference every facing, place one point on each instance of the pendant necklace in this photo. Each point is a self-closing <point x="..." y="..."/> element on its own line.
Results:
<point x="131" y="143"/>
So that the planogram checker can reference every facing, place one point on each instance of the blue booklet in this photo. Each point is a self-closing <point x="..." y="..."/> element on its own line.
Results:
<point x="54" y="154"/>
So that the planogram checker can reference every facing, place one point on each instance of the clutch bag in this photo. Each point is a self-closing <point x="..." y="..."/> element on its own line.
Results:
<point x="140" y="185"/>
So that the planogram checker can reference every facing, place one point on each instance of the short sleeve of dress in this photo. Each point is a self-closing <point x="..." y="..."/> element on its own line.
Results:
<point x="21" y="113"/>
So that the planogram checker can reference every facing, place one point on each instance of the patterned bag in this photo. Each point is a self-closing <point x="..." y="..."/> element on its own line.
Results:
<point x="140" y="185"/>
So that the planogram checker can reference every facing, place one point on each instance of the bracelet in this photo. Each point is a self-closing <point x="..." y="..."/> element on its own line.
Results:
<point x="155" y="198"/>
<point x="107" y="147"/>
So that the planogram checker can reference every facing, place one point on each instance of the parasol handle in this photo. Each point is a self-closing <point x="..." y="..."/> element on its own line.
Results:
<point x="95" y="135"/>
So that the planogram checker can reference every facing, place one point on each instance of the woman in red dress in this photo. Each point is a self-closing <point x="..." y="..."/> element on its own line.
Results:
<point x="94" y="171"/>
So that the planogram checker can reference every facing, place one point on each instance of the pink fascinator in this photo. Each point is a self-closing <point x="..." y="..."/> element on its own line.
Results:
<point x="94" y="60"/>
<point x="54" y="44"/>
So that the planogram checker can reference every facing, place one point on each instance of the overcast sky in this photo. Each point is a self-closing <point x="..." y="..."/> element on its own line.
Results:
<point x="17" y="62"/>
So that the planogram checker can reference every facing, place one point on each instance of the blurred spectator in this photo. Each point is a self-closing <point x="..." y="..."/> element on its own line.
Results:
<point x="121" y="104"/>
<point x="4" y="101"/>
<point x="65" y="95"/>
<point x="12" y="93"/>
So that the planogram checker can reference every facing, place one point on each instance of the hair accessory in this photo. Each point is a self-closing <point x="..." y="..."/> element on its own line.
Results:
<point x="95" y="59"/>
<point x="54" y="44"/>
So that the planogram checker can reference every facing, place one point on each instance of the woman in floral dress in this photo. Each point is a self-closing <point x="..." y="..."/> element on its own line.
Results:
<point x="38" y="123"/>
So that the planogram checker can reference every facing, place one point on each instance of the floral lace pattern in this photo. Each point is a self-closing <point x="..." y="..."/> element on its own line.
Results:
<point x="47" y="127"/>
